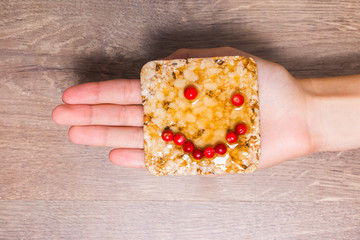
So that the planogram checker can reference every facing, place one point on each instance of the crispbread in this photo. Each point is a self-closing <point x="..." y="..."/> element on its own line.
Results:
<point x="205" y="120"/>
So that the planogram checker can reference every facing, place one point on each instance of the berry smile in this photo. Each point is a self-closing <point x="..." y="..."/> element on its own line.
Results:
<point x="179" y="139"/>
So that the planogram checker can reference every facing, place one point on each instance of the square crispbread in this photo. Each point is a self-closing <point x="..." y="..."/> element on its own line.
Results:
<point x="205" y="120"/>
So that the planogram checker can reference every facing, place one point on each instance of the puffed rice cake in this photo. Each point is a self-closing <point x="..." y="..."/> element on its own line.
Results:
<point x="205" y="120"/>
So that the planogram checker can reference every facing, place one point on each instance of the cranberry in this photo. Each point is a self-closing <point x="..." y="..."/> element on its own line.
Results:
<point x="197" y="154"/>
<point x="231" y="137"/>
<point x="167" y="135"/>
<point x="240" y="129"/>
<point x="220" y="149"/>
<point x="190" y="93"/>
<point x="237" y="99"/>
<point x="209" y="152"/>
<point x="188" y="147"/>
<point x="179" y="139"/>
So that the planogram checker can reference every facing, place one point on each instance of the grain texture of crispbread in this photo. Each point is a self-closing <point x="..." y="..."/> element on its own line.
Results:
<point x="205" y="120"/>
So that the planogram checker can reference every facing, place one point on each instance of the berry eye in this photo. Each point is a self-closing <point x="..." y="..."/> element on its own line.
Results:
<point x="237" y="99"/>
<point x="190" y="93"/>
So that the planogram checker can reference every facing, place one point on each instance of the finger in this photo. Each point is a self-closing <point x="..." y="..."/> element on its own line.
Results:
<point x="122" y="91"/>
<point x="127" y="157"/>
<point x="116" y="115"/>
<point x="118" y="137"/>
<point x="184" y="53"/>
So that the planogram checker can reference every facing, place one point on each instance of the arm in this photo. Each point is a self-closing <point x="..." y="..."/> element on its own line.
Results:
<point x="333" y="112"/>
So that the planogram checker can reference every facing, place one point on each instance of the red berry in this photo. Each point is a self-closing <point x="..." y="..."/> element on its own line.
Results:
<point x="167" y="135"/>
<point x="190" y="93"/>
<point x="240" y="129"/>
<point x="209" y="152"/>
<point x="220" y="149"/>
<point x="188" y="147"/>
<point x="237" y="99"/>
<point x="179" y="139"/>
<point x="231" y="137"/>
<point x="197" y="154"/>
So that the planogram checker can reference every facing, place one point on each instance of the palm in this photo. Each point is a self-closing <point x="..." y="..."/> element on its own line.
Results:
<point x="284" y="131"/>
<point x="110" y="113"/>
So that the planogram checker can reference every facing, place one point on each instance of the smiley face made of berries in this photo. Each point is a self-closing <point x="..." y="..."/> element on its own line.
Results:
<point x="179" y="139"/>
<point x="201" y="116"/>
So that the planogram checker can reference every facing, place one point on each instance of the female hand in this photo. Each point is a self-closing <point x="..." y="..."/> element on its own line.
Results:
<point x="110" y="113"/>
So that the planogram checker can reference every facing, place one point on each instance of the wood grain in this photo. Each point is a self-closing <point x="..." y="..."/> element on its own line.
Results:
<point x="51" y="188"/>
<point x="178" y="220"/>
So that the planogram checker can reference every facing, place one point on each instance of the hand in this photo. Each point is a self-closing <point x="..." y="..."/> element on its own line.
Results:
<point x="110" y="113"/>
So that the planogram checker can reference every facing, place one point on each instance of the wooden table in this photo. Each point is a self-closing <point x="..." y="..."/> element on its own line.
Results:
<point x="53" y="189"/>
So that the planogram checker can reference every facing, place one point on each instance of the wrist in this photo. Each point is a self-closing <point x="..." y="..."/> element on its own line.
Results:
<point x="314" y="122"/>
